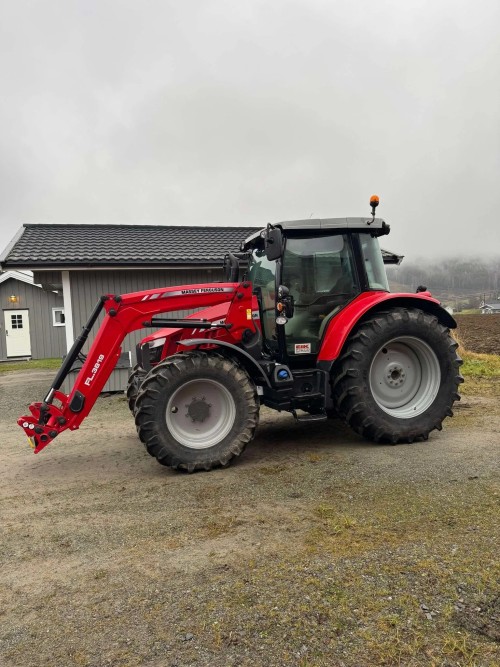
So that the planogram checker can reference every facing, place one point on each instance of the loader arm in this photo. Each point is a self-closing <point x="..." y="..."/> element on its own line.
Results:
<point x="124" y="314"/>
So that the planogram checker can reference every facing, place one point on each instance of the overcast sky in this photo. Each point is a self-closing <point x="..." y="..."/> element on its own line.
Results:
<point x="224" y="112"/>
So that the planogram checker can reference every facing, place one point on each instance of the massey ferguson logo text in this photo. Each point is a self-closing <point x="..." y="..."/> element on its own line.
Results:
<point x="94" y="370"/>
<point x="184" y="292"/>
<point x="202" y="290"/>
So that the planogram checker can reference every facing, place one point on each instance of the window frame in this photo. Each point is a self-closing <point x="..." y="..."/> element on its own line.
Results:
<point x="59" y="309"/>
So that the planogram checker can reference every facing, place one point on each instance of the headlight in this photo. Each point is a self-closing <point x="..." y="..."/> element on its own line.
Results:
<point x="159" y="342"/>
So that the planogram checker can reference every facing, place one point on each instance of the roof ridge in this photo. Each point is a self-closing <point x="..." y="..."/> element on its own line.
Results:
<point x="86" y="225"/>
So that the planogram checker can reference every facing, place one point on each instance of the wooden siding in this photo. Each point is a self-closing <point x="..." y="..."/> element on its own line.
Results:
<point x="46" y="340"/>
<point x="117" y="381"/>
<point x="88" y="286"/>
<point x="49" y="280"/>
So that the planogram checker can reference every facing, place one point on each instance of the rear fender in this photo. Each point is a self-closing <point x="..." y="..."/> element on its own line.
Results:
<point x="366" y="305"/>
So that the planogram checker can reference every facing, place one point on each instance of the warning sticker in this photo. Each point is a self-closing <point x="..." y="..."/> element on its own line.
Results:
<point x="249" y="313"/>
<point x="302" y="348"/>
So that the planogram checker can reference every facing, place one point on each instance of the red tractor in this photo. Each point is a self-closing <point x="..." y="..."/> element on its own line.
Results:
<point x="311" y="328"/>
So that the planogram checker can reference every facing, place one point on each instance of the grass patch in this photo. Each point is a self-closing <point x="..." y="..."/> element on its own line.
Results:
<point x="481" y="386"/>
<point x="219" y="525"/>
<point x="480" y="365"/>
<point x="481" y="373"/>
<point x="34" y="364"/>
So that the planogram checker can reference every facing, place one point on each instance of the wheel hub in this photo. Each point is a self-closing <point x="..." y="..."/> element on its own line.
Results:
<point x="200" y="413"/>
<point x="405" y="377"/>
<point x="395" y="375"/>
<point x="198" y="410"/>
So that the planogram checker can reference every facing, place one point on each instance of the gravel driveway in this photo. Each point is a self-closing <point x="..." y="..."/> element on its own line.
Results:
<point x="314" y="548"/>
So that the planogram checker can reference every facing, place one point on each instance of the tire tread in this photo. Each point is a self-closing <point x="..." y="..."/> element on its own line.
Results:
<point x="155" y="435"/>
<point x="350" y="395"/>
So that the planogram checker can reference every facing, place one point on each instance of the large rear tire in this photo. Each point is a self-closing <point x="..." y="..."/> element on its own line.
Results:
<point x="398" y="376"/>
<point x="196" y="411"/>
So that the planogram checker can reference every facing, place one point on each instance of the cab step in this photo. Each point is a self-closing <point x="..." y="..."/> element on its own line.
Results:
<point x="310" y="418"/>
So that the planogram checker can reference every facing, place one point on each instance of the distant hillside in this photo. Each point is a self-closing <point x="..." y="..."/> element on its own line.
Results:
<point x="460" y="283"/>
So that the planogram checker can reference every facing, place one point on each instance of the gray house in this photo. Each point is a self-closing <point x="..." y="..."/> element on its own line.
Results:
<point x="82" y="262"/>
<point x="490" y="309"/>
<point x="32" y="323"/>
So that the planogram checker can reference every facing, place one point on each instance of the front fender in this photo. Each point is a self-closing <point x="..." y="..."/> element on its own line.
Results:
<point x="248" y="361"/>
<point x="368" y="303"/>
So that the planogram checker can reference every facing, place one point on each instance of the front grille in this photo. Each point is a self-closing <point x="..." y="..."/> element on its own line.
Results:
<point x="147" y="356"/>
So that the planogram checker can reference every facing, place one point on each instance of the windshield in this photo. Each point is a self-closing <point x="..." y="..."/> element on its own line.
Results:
<point x="374" y="263"/>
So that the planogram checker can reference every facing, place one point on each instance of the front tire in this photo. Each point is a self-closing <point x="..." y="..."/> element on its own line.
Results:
<point x="196" y="411"/>
<point x="398" y="377"/>
<point x="133" y="385"/>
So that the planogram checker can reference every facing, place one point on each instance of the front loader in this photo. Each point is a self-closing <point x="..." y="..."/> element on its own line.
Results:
<point x="310" y="328"/>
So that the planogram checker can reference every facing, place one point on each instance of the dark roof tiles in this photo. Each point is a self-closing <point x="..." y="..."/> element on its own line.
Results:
<point x="99" y="245"/>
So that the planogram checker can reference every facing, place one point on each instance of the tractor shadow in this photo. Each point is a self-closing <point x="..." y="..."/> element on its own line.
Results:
<point x="281" y="435"/>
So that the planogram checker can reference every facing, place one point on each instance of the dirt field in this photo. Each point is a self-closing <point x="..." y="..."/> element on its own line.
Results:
<point x="479" y="333"/>
<point x="314" y="549"/>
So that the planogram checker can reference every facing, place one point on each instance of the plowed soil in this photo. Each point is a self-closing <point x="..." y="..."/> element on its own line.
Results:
<point x="479" y="333"/>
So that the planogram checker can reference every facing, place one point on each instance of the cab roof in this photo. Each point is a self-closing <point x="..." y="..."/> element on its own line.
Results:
<point x="366" y="223"/>
<point x="375" y="226"/>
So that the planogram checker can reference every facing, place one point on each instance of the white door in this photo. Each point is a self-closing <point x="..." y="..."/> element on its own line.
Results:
<point x="17" y="333"/>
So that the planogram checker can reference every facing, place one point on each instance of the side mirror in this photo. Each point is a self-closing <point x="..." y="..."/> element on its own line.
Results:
<point x="231" y="268"/>
<point x="273" y="243"/>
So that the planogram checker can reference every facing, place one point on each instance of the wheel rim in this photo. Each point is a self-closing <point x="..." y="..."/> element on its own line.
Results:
<point x="405" y="377"/>
<point x="200" y="414"/>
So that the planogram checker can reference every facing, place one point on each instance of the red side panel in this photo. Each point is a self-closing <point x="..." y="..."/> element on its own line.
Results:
<point x="212" y="314"/>
<point x="217" y="313"/>
<point x="341" y="325"/>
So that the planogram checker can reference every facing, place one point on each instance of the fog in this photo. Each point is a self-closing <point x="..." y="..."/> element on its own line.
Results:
<point x="225" y="113"/>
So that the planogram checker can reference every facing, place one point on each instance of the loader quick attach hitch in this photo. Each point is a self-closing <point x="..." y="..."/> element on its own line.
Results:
<point x="45" y="423"/>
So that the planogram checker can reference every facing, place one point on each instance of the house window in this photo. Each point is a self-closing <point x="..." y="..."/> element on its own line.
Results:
<point x="58" y="319"/>
<point x="16" y="321"/>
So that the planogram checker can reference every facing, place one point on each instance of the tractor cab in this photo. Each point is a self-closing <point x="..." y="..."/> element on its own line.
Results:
<point x="304" y="272"/>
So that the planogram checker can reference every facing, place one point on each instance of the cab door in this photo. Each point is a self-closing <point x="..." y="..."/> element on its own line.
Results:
<point x="321" y="275"/>
<point x="262" y="274"/>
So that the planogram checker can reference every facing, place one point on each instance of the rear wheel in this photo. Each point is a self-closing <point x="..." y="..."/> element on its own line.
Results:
<point x="398" y="376"/>
<point x="196" y="411"/>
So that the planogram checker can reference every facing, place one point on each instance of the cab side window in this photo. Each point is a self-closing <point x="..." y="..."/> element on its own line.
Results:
<point x="320" y="273"/>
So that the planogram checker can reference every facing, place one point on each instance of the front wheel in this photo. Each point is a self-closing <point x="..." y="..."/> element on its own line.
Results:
<point x="398" y="376"/>
<point x="133" y="385"/>
<point x="196" y="411"/>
